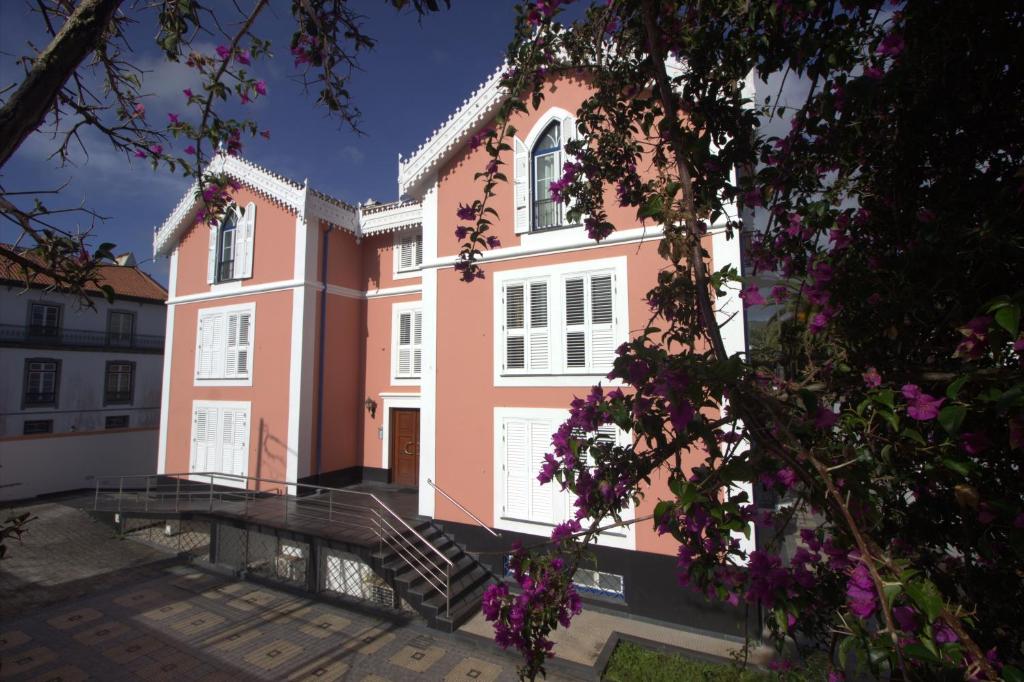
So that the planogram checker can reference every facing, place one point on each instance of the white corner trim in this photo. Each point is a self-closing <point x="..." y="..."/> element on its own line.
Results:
<point x="428" y="389"/>
<point x="555" y="274"/>
<point x="165" y="387"/>
<point x="627" y="540"/>
<point x="301" y="360"/>
<point x="390" y="401"/>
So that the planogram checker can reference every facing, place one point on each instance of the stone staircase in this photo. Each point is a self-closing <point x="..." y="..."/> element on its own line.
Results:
<point x="469" y="579"/>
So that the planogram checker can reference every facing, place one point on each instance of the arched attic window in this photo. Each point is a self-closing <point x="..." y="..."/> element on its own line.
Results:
<point x="546" y="167"/>
<point x="231" y="245"/>
<point x="226" y="248"/>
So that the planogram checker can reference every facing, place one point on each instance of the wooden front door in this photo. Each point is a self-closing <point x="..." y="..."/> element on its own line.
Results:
<point x="405" y="447"/>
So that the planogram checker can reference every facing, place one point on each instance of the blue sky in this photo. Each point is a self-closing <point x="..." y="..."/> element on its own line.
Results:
<point x="420" y="71"/>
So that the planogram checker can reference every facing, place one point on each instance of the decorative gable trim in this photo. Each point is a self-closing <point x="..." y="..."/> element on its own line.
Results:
<point x="299" y="199"/>
<point x="444" y="141"/>
<point x="399" y="215"/>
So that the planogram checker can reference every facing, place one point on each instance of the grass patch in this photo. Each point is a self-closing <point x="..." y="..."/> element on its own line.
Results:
<point x="633" y="663"/>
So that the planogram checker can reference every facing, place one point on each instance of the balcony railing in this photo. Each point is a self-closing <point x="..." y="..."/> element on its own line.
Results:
<point x="28" y="335"/>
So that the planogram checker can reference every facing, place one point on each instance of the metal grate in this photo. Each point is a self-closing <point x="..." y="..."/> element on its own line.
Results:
<point x="346" y="574"/>
<point x="598" y="582"/>
<point x="231" y="546"/>
<point x="275" y="558"/>
<point x="187" y="537"/>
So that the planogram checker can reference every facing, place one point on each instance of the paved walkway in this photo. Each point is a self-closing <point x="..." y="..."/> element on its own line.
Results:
<point x="77" y="604"/>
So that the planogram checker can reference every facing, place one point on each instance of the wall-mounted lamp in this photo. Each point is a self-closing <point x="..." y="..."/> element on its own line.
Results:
<point x="371" y="407"/>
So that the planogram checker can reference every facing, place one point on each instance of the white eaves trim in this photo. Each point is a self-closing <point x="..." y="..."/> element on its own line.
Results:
<point x="446" y="140"/>
<point x="300" y="199"/>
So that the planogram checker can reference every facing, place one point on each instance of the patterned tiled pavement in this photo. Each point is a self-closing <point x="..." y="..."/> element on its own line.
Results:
<point x="181" y="622"/>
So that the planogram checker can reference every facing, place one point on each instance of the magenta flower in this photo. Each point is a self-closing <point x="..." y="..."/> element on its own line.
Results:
<point x="751" y="296"/>
<point x="156" y="149"/>
<point x="891" y="45"/>
<point x="190" y="150"/>
<point x="140" y="154"/>
<point x="974" y="443"/>
<point x="779" y="293"/>
<point x="244" y="99"/>
<point x="466" y="212"/>
<point x="872" y="379"/>
<point x="905" y="617"/>
<point x="187" y="92"/>
<point x="261" y="87"/>
<point x="265" y="134"/>
<point x="223" y="51"/>
<point x="786" y="477"/>
<point x="921" y="406"/>
<point x="860" y="593"/>
<point x="140" y="109"/>
<point x="173" y="118"/>
<point x="825" y="418"/>
<point x="243" y="57"/>
<point x="564" y="530"/>
<point x="818" y="323"/>
<point x="874" y="73"/>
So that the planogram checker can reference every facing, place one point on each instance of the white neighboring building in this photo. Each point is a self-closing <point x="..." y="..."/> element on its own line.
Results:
<point x="80" y="394"/>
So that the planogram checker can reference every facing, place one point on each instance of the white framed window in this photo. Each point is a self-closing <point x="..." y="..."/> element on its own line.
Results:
<point x="220" y="440"/>
<point x="559" y="325"/>
<point x="224" y="345"/>
<point x="522" y="436"/>
<point x="231" y="246"/>
<point x="408" y="253"/>
<point x="406" y="343"/>
<point x="538" y="161"/>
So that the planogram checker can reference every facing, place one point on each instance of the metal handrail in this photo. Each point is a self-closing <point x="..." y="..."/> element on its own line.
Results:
<point x="392" y="529"/>
<point x="464" y="510"/>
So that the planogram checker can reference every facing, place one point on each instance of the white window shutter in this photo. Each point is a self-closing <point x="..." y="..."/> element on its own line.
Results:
<point x="231" y="358"/>
<point x="418" y="256"/>
<point x="515" y="327"/>
<point x="540" y="348"/>
<point x="204" y="439"/>
<point x="575" y="323"/>
<point x="417" y="342"/>
<point x="235" y="442"/>
<point x="521" y="181"/>
<point x="217" y="345"/>
<point x="602" y="322"/>
<point x="569" y="133"/>
<point x="244" y="236"/>
<point x="544" y="499"/>
<point x="211" y="264"/>
<point x="243" y="344"/>
<point x="517" y="469"/>
<point x="204" y="361"/>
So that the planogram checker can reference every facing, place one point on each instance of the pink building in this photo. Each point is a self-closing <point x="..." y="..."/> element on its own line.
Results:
<point x="309" y="340"/>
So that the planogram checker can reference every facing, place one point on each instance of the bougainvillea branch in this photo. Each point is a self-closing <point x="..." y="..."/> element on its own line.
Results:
<point x="883" y="402"/>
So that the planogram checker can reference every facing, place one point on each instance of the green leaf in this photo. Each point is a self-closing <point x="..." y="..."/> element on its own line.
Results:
<point x="926" y="597"/>
<point x="891" y="590"/>
<point x="920" y="652"/>
<point x="886" y="397"/>
<point x="961" y="467"/>
<point x="652" y="208"/>
<point x="954" y="388"/>
<point x="1009" y="319"/>
<point x="1012" y="674"/>
<point x="951" y="417"/>
<point x="912" y="434"/>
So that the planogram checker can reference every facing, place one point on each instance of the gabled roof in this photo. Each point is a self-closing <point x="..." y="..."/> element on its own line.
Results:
<point x="299" y="198"/>
<point x="128" y="281"/>
<point x="444" y="142"/>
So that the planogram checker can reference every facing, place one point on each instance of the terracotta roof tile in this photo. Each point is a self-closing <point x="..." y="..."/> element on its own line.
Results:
<point x="127" y="281"/>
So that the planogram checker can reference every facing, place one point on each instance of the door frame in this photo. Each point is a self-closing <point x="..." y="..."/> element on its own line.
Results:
<point x="395" y="400"/>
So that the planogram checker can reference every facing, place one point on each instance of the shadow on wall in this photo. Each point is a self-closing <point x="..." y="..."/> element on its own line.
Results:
<point x="270" y="450"/>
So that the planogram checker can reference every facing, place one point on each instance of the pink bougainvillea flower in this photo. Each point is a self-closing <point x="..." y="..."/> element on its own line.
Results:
<point x="751" y="296"/>
<point x="223" y="51"/>
<point x="874" y="72"/>
<point x="244" y="98"/>
<point x="261" y="87"/>
<point x="921" y="406"/>
<point x="825" y="418"/>
<point x="905" y="617"/>
<point x="140" y="153"/>
<point x="140" y="110"/>
<point x="243" y="57"/>
<point x="779" y="293"/>
<point x="156" y="149"/>
<point x="891" y="45"/>
<point x="786" y="477"/>
<point x="187" y="92"/>
<point x="975" y="443"/>
<point x="836" y="676"/>
<point x="265" y="134"/>
<point x="173" y="118"/>
<point x="860" y="593"/>
<point x="818" y="323"/>
<point x="190" y="150"/>
<point x="872" y="378"/>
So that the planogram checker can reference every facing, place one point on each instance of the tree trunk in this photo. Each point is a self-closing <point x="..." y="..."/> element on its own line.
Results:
<point x="26" y="109"/>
